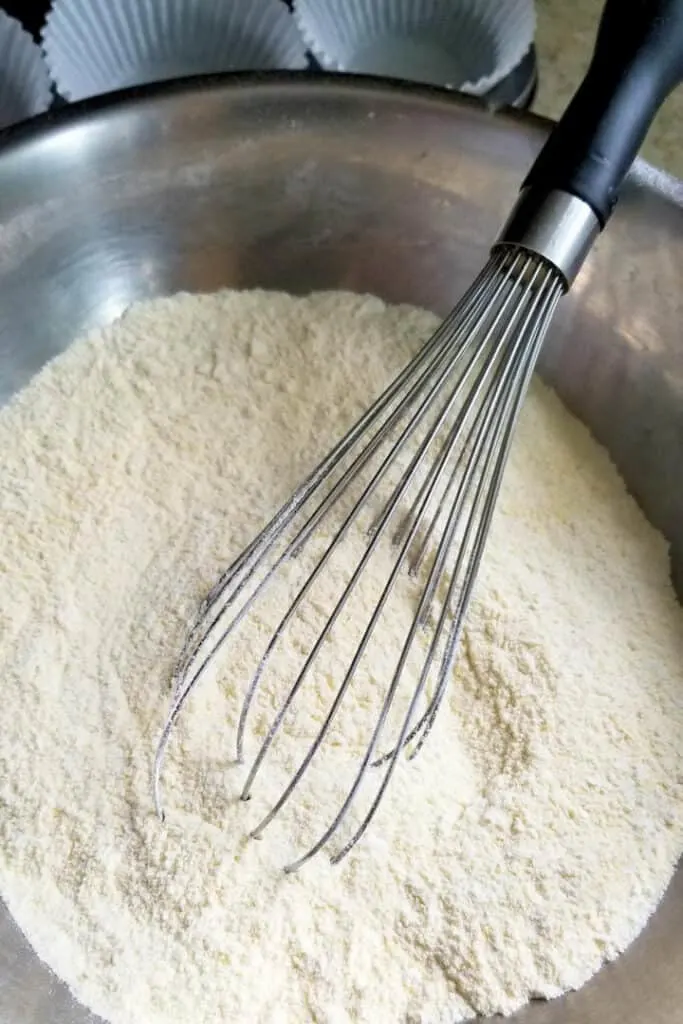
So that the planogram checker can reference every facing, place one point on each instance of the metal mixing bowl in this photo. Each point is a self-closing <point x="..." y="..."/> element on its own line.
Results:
<point x="299" y="183"/>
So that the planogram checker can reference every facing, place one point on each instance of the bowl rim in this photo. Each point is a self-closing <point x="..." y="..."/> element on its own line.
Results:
<point x="80" y="112"/>
<point x="301" y="80"/>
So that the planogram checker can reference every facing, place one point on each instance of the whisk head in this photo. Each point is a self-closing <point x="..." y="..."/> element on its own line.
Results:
<point x="388" y="530"/>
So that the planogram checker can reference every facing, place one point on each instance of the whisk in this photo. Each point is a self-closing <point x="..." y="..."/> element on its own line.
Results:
<point x="420" y="471"/>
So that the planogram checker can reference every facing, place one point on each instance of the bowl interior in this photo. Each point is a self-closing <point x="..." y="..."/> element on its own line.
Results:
<point x="300" y="183"/>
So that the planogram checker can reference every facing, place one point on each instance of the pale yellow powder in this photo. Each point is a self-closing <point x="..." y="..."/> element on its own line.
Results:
<point x="528" y="843"/>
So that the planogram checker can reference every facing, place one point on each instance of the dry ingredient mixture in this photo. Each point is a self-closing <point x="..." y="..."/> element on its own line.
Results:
<point x="527" y="844"/>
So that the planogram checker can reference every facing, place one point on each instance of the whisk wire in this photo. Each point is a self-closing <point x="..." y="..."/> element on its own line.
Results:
<point x="506" y="385"/>
<point x="237" y="576"/>
<point x="458" y="321"/>
<point x="470" y="377"/>
<point x="507" y="419"/>
<point x="377" y="532"/>
<point x="514" y="384"/>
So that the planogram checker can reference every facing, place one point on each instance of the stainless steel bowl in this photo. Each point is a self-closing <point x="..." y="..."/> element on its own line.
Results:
<point x="300" y="183"/>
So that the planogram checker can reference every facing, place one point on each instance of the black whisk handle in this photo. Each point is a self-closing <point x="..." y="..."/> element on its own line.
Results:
<point x="637" y="62"/>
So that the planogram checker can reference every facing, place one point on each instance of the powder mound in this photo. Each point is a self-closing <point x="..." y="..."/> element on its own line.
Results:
<point x="504" y="693"/>
<point x="526" y="845"/>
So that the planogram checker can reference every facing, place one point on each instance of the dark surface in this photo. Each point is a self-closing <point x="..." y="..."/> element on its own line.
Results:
<point x="31" y="13"/>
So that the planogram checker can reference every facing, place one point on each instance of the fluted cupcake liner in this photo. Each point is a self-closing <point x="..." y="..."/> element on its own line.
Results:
<point x="25" y="88"/>
<point x="97" y="46"/>
<point x="470" y="45"/>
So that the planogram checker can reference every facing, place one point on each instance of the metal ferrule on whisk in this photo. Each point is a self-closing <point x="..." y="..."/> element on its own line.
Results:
<point x="556" y="225"/>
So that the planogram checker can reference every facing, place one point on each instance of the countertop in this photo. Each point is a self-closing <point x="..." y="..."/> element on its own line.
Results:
<point x="565" y="33"/>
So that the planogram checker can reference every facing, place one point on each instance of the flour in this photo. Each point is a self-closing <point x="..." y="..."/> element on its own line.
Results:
<point x="527" y="844"/>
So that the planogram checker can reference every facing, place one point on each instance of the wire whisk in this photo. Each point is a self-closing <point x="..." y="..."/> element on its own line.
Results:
<point x="462" y="393"/>
<point x="411" y="489"/>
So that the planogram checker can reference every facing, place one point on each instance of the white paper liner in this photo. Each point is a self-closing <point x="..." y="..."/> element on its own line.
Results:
<point x="25" y="88"/>
<point x="470" y="45"/>
<point x="97" y="46"/>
